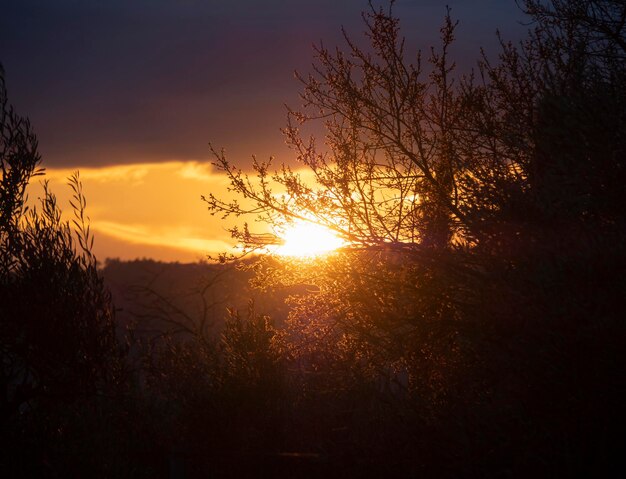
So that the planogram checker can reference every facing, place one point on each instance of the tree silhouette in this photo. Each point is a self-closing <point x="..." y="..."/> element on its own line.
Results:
<point x="387" y="176"/>
<point x="485" y="234"/>
<point x="58" y="343"/>
<point x="417" y="155"/>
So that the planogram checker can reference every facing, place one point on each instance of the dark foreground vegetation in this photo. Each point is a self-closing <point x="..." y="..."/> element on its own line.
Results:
<point x="474" y="328"/>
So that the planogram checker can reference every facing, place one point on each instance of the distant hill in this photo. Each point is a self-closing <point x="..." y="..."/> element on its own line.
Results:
<point x="159" y="297"/>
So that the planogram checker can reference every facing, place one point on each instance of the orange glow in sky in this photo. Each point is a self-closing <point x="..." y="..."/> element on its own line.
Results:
<point x="147" y="210"/>
<point x="154" y="210"/>
<point x="307" y="239"/>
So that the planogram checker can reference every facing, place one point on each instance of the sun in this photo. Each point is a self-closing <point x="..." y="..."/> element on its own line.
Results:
<point x="305" y="239"/>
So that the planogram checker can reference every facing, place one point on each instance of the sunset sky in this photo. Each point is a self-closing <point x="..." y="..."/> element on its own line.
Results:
<point x="130" y="92"/>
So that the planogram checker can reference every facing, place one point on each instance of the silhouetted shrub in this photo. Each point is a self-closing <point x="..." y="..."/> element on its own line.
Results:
<point x="61" y="362"/>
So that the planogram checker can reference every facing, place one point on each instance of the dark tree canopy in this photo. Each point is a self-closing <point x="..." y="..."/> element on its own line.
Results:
<point x="417" y="155"/>
<point x="472" y="326"/>
<point x="57" y="335"/>
<point x="483" y="215"/>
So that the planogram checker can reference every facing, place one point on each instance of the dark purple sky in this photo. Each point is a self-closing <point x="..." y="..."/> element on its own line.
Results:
<point x="126" y="81"/>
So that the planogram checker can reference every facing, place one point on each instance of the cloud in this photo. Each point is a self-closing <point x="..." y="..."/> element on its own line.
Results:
<point x="152" y="209"/>
<point x="193" y="170"/>
<point x="134" y="174"/>
<point x="156" y="205"/>
<point x="151" y="235"/>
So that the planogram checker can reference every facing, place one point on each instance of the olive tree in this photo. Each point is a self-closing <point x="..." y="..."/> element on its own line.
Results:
<point x="57" y="335"/>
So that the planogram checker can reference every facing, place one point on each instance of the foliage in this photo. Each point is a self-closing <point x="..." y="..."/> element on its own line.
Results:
<point x="59" y="350"/>
<point x="387" y="174"/>
<point x="486" y="237"/>
<point x="473" y="325"/>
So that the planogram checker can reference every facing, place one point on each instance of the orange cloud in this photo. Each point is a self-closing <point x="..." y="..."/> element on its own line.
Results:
<point x="156" y="206"/>
<point x="151" y="210"/>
